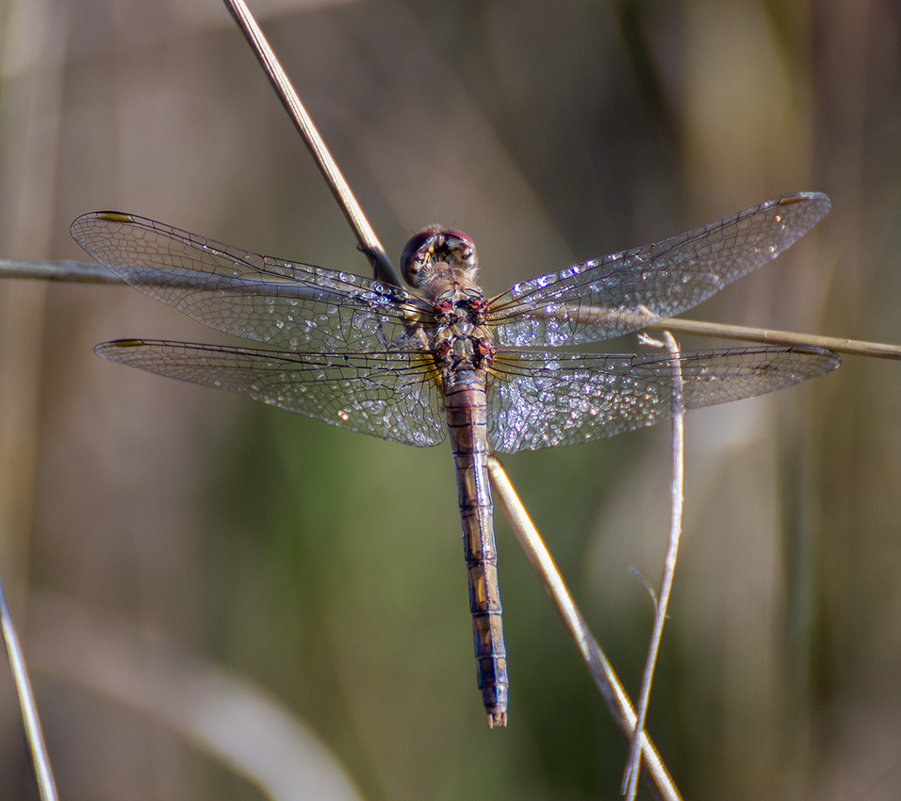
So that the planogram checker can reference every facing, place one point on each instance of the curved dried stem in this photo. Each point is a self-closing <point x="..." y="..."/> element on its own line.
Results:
<point x="630" y="779"/>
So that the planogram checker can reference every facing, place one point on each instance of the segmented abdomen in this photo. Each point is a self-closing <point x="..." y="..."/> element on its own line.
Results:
<point x="467" y="425"/>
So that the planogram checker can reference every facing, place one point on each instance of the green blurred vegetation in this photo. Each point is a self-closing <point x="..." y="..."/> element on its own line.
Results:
<point x="325" y="568"/>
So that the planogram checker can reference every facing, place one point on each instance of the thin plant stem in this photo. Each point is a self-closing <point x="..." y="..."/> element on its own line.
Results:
<point x="769" y="336"/>
<point x="30" y="718"/>
<point x="633" y="765"/>
<point x="369" y="242"/>
<point x="80" y="272"/>
<point x="599" y="667"/>
<point x="74" y="272"/>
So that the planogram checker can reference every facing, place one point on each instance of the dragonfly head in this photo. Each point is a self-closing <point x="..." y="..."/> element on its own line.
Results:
<point x="439" y="252"/>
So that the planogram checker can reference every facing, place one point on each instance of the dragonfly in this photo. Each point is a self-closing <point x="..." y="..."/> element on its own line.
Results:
<point x="441" y="360"/>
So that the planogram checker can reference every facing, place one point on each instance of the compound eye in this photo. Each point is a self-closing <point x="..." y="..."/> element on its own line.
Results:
<point x="464" y="246"/>
<point x="417" y="252"/>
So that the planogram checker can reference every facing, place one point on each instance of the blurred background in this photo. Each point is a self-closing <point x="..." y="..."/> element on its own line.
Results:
<point x="216" y="595"/>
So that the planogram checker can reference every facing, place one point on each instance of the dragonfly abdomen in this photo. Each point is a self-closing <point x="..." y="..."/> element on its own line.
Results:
<point x="467" y="424"/>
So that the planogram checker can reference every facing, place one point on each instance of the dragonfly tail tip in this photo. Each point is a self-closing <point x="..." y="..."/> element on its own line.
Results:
<point x="497" y="719"/>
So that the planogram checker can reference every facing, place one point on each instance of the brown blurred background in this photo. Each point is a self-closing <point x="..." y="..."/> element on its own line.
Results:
<point x="209" y="588"/>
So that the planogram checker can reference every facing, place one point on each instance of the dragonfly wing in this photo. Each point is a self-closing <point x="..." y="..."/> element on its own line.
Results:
<point x="280" y="303"/>
<point x="623" y="292"/>
<point x="543" y="400"/>
<point x="389" y="395"/>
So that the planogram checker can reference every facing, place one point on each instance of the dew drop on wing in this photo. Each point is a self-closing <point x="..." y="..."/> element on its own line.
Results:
<point x="367" y="324"/>
<point x="554" y="336"/>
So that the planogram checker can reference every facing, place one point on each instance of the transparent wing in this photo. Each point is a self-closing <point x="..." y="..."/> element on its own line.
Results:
<point x="390" y="395"/>
<point x="623" y="292"/>
<point x="543" y="400"/>
<point x="283" y="304"/>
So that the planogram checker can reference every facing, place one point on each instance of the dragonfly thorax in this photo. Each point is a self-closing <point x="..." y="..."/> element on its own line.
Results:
<point x="461" y="341"/>
<point x="439" y="254"/>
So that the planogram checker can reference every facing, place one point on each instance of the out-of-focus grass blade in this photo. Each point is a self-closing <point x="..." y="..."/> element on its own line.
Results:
<point x="221" y="713"/>
<point x="30" y="717"/>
